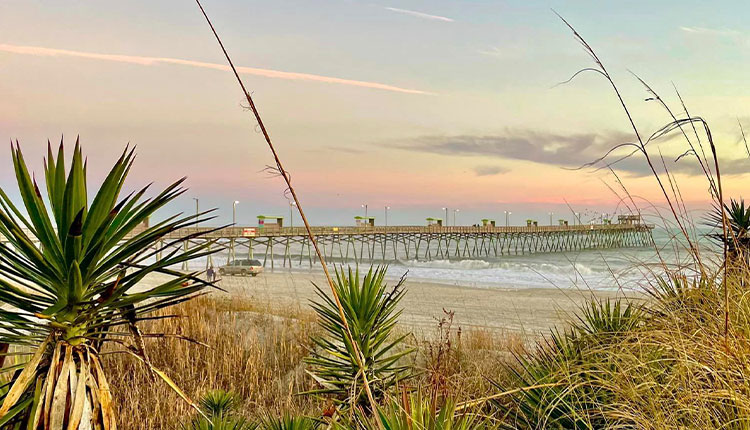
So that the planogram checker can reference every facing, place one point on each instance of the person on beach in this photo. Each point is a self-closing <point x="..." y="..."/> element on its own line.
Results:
<point x="210" y="274"/>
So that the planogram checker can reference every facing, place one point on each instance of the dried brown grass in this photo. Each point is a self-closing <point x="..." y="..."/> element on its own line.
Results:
<point x="458" y="363"/>
<point x="254" y="352"/>
<point x="257" y="352"/>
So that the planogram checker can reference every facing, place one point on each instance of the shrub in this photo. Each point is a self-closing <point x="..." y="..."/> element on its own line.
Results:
<point x="67" y="278"/>
<point x="371" y="314"/>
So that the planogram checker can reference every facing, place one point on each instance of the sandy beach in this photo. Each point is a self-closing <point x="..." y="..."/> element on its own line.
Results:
<point x="524" y="311"/>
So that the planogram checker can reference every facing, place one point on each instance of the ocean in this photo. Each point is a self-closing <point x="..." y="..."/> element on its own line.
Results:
<point x="598" y="269"/>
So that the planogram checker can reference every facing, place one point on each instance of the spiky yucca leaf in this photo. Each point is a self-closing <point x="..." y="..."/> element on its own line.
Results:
<point x="737" y="238"/>
<point x="218" y="402"/>
<point x="69" y="268"/>
<point x="608" y="317"/>
<point x="562" y="384"/>
<point x="218" y="412"/>
<point x="418" y="411"/>
<point x="371" y="314"/>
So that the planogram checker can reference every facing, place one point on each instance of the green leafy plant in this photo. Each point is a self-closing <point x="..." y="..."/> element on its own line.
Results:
<point x="737" y="238"/>
<point x="563" y="383"/>
<point x="421" y="412"/>
<point x="218" y="412"/>
<point x="371" y="314"/>
<point x="599" y="318"/>
<point x="68" y="275"/>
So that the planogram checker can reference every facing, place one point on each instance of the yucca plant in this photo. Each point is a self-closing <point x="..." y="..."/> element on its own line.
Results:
<point x="288" y="422"/>
<point x="419" y="412"/>
<point x="69" y="268"/>
<point x="371" y="314"/>
<point x="218" y="411"/>
<point x="607" y="317"/>
<point x="737" y="238"/>
<point x="562" y="384"/>
<point x="544" y="394"/>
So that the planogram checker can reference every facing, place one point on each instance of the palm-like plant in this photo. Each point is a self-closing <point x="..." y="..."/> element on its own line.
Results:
<point x="419" y="412"/>
<point x="604" y="318"/>
<point x="564" y="381"/>
<point x="371" y="314"/>
<point x="737" y="237"/>
<point x="218" y="412"/>
<point x="68" y="272"/>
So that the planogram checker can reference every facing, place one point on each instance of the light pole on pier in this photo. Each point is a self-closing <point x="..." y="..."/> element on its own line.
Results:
<point x="507" y="215"/>
<point x="386" y="215"/>
<point x="292" y="205"/>
<point x="197" y="210"/>
<point x="364" y="205"/>
<point x="550" y="217"/>
<point x="454" y="216"/>
<point x="232" y="254"/>
<point x="446" y="216"/>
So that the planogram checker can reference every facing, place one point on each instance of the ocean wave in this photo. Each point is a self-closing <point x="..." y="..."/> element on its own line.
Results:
<point x="447" y="264"/>
<point x="561" y="267"/>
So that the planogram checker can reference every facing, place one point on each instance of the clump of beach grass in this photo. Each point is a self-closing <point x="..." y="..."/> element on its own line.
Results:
<point x="220" y="342"/>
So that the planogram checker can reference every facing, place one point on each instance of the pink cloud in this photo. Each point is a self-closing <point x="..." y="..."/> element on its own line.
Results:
<point x="39" y="51"/>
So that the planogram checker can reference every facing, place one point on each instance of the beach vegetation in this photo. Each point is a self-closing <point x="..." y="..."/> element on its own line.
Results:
<point x="737" y="236"/>
<point x="419" y="411"/>
<point x="70" y="269"/>
<point x="217" y="411"/>
<point x="371" y="313"/>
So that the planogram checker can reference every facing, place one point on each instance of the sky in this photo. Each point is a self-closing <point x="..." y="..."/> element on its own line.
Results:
<point x="417" y="105"/>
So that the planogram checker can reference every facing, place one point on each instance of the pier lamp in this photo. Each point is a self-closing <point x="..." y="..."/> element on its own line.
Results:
<point x="386" y="215"/>
<point x="446" y="216"/>
<point x="234" y="212"/>
<point x="455" y="211"/>
<point x="197" y="210"/>
<point x="507" y="215"/>
<point x="550" y="217"/>
<point x="364" y="205"/>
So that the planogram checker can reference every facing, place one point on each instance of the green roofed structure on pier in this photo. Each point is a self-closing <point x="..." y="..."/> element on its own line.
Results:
<point x="268" y="222"/>
<point x="435" y="221"/>
<point x="364" y="221"/>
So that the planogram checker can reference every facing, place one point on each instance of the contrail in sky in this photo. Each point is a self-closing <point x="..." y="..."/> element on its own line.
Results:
<point x="39" y="51"/>
<point x="420" y="14"/>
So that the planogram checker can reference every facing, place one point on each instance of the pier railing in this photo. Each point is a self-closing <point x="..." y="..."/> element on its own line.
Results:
<point x="238" y="232"/>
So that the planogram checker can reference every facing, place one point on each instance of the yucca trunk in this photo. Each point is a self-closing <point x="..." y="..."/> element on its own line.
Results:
<point x="70" y="390"/>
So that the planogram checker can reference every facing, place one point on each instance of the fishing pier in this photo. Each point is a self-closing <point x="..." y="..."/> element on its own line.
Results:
<point x="377" y="244"/>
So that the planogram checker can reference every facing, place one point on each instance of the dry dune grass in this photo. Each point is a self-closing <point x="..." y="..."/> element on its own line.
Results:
<point x="253" y="352"/>
<point x="257" y="352"/>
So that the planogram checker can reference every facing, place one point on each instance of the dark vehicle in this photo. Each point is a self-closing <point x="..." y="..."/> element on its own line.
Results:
<point x="242" y="267"/>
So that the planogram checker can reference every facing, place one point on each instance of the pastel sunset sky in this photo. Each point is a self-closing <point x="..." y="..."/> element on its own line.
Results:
<point x="412" y="104"/>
